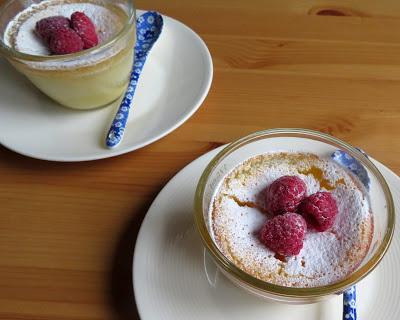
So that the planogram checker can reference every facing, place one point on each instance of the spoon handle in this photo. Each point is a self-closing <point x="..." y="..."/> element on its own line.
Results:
<point x="149" y="26"/>
<point x="344" y="159"/>
<point x="118" y="125"/>
<point x="349" y="304"/>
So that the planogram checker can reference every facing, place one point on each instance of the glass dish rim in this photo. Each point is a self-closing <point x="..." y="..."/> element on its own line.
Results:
<point x="270" y="288"/>
<point x="26" y="57"/>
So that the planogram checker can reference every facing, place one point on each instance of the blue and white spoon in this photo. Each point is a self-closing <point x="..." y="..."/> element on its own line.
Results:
<point x="148" y="28"/>
<point x="344" y="159"/>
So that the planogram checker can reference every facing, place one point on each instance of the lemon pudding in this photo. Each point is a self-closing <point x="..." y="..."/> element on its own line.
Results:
<point x="82" y="80"/>
<point x="239" y="211"/>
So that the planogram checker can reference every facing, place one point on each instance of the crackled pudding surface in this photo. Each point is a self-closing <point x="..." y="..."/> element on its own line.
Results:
<point x="238" y="213"/>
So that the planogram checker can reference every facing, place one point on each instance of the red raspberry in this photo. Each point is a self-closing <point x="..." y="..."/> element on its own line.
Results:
<point x="285" y="194"/>
<point x="85" y="28"/>
<point x="319" y="210"/>
<point x="45" y="27"/>
<point x="284" y="234"/>
<point x="64" y="41"/>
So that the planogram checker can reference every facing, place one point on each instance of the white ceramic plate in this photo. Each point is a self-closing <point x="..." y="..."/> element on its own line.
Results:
<point x="174" y="279"/>
<point x="174" y="83"/>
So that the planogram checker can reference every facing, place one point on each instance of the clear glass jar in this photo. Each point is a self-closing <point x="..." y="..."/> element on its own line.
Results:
<point x="84" y="80"/>
<point x="294" y="140"/>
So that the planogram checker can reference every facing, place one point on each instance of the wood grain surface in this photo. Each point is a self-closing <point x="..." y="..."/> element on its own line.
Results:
<point x="68" y="230"/>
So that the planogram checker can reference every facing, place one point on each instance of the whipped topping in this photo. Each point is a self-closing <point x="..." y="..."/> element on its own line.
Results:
<point x="238" y="213"/>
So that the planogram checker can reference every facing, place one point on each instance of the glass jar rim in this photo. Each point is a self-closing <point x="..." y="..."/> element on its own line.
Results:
<point x="283" y="291"/>
<point x="9" y="52"/>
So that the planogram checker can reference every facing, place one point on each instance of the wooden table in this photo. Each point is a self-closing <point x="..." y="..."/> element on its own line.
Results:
<point x="68" y="230"/>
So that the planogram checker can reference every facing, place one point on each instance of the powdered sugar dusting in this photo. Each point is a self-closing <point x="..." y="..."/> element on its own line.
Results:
<point x="238" y="213"/>
<point x="20" y="31"/>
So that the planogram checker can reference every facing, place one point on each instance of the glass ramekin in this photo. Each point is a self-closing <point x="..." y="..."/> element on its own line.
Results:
<point x="87" y="79"/>
<point x="300" y="140"/>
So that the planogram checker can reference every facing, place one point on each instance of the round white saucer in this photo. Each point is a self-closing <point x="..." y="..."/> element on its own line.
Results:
<point x="174" y="83"/>
<point x="174" y="279"/>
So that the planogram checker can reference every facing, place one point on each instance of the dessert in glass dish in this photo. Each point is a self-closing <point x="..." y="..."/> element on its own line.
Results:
<point x="270" y="192"/>
<point x="282" y="219"/>
<point x="78" y="52"/>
